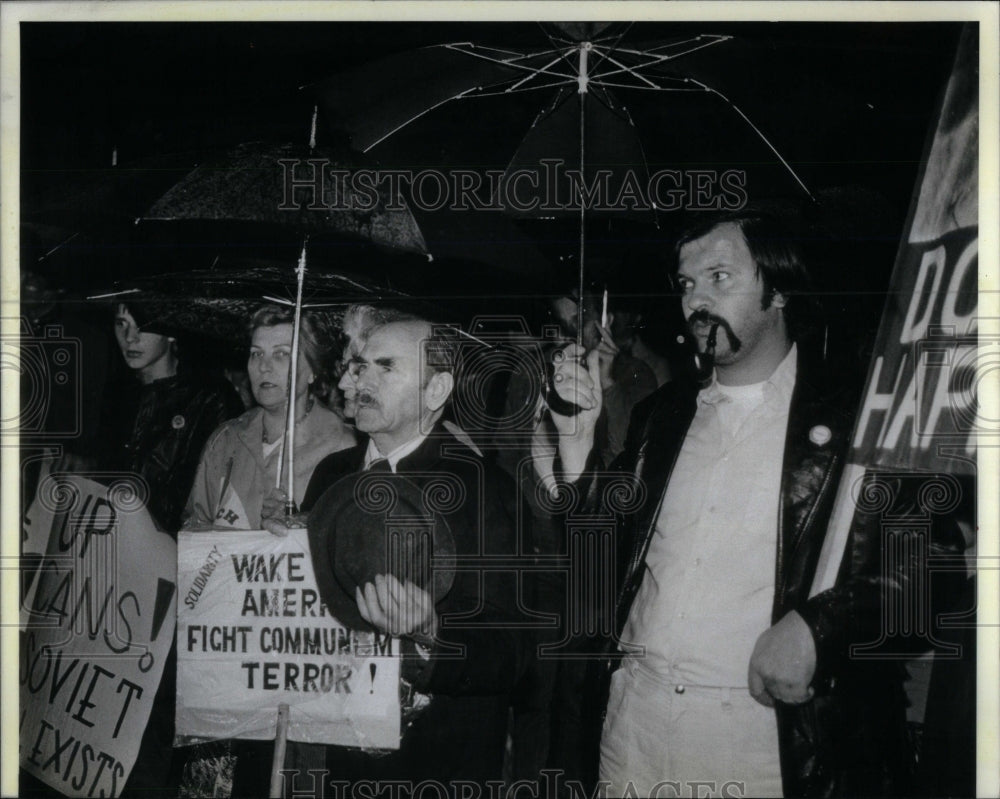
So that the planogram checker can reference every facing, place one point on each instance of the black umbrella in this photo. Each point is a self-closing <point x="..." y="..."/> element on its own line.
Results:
<point x="568" y="105"/>
<point x="296" y="187"/>
<point x="218" y="302"/>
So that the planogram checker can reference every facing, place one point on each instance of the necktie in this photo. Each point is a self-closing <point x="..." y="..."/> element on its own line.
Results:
<point x="379" y="465"/>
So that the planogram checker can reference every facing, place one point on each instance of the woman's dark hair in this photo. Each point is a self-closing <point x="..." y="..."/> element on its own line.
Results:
<point x="319" y="341"/>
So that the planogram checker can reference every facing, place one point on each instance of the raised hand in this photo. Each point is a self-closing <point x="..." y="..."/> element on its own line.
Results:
<point x="580" y="384"/>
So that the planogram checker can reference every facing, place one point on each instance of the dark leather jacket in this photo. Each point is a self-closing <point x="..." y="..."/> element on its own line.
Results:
<point x="157" y="431"/>
<point x="850" y="739"/>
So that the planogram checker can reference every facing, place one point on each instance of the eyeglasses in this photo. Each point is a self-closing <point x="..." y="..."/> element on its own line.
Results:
<point x="351" y="366"/>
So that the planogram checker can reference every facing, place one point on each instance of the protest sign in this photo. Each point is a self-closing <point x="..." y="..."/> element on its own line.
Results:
<point x="920" y="409"/>
<point x="920" y="412"/>
<point x="99" y="630"/>
<point x="252" y="634"/>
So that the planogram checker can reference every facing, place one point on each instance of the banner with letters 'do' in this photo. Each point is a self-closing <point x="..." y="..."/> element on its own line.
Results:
<point x="97" y="622"/>
<point x="920" y="418"/>
<point x="920" y="410"/>
<point x="252" y="634"/>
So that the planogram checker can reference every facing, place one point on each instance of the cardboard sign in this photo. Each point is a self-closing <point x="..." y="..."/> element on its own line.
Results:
<point x="97" y="635"/>
<point x="252" y="633"/>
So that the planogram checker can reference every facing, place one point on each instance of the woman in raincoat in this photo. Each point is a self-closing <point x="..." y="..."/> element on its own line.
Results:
<point x="235" y="486"/>
<point x="236" y="481"/>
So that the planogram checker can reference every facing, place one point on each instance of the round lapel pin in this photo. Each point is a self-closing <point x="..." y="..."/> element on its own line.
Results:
<point x="820" y="435"/>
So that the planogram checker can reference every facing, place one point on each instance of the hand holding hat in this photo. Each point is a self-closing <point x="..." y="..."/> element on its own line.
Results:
<point x="398" y="608"/>
<point x="382" y="553"/>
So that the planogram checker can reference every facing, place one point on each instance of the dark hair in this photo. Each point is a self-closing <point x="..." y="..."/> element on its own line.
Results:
<point x="145" y="316"/>
<point x="777" y="256"/>
<point x="315" y="338"/>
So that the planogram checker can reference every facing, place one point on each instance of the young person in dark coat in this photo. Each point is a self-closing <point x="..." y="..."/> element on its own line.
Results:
<point x="154" y="427"/>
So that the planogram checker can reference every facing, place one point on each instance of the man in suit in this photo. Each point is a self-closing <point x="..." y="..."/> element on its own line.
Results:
<point x="404" y="377"/>
<point x="731" y="678"/>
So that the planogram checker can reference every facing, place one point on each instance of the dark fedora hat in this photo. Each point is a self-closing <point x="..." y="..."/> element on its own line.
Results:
<point x="372" y="523"/>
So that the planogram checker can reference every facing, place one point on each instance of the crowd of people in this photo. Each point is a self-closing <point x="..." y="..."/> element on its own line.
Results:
<point x="693" y="656"/>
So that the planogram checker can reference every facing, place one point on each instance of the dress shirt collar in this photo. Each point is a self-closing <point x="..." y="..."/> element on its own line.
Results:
<point x="778" y="386"/>
<point x="372" y="453"/>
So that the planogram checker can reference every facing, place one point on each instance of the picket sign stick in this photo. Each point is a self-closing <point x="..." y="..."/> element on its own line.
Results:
<point x="280" y="740"/>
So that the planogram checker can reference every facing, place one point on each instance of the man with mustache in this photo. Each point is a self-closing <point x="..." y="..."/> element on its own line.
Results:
<point x="729" y="677"/>
<point x="403" y="378"/>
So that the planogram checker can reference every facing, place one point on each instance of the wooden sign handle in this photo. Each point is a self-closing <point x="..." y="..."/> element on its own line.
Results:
<point x="280" y="739"/>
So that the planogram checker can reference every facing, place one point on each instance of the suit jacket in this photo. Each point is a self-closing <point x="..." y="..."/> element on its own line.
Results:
<point x="850" y="739"/>
<point x="462" y="733"/>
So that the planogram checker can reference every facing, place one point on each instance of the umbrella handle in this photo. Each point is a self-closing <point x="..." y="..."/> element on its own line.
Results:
<point x="556" y="403"/>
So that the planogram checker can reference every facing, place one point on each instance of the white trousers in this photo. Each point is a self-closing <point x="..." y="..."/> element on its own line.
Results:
<point x="666" y="740"/>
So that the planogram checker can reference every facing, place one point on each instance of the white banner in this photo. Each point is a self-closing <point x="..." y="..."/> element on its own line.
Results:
<point x="252" y="634"/>
<point x="93" y="647"/>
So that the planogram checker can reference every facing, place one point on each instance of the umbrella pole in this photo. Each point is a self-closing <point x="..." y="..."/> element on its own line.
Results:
<point x="300" y="272"/>
<point x="582" y="81"/>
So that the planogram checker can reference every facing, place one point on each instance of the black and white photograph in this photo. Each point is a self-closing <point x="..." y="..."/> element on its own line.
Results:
<point x="487" y="401"/>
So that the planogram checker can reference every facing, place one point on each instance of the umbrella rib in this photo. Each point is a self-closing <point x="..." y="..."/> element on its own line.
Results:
<point x="696" y="41"/>
<point x="625" y="68"/>
<point x="526" y="78"/>
<point x="508" y="63"/>
<point x="653" y="60"/>
<point x="652" y="87"/>
<point x="516" y="56"/>
<point x="522" y="90"/>
<point x="417" y="116"/>
<point x="59" y="246"/>
<point x="113" y="294"/>
<point x="758" y="131"/>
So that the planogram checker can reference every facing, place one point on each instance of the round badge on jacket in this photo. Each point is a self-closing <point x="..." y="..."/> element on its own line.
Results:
<point x="377" y="523"/>
<point x="820" y="435"/>
<point x="177" y="422"/>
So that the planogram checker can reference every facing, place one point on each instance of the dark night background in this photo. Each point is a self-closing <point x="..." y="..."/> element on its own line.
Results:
<point x="849" y="105"/>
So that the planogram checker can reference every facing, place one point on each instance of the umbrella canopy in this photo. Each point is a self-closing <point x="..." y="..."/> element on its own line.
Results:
<point x="789" y="111"/>
<point x="218" y="303"/>
<point x="293" y="186"/>
<point x="581" y="152"/>
<point x="580" y="95"/>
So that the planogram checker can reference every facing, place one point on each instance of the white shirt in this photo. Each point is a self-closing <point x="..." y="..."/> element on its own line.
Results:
<point x="709" y="583"/>
<point x="372" y="454"/>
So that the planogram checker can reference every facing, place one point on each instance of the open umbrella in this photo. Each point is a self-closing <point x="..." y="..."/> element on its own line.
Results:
<point x="577" y="150"/>
<point x="299" y="188"/>
<point x="294" y="186"/>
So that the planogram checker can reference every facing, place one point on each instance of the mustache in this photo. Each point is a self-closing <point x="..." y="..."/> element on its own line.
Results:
<point x="366" y="398"/>
<point x="702" y="316"/>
